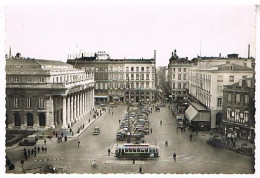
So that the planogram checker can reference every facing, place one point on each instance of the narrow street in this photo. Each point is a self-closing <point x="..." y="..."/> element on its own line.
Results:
<point x="192" y="156"/>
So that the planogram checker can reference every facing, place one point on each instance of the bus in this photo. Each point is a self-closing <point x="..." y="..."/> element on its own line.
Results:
<point x="137" y="151"/>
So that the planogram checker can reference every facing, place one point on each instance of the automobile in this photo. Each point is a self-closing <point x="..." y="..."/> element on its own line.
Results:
<point x="96" y="130"/>
<point x="29" y="140"/>
<point x="157" y="108"/>
<point x="245" y="150"/>
<point x="217" y="141"/>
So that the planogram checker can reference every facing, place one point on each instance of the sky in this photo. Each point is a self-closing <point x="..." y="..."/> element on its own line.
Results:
<point x="52" y="31"/>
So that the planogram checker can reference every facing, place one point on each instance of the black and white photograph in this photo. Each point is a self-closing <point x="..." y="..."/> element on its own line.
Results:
<point x="128" y="88"/>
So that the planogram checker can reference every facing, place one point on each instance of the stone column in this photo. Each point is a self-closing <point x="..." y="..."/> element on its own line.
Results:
<point x="86" y="101"/>
<point x="81" y="105"/>
<point x="71" y="109"/>
<point x="74" y="107"/>
<point x="77" y="118"/>
<point x="49" y="112"/>
<point x="64" y="113"/>
<point x="68" y="111"/>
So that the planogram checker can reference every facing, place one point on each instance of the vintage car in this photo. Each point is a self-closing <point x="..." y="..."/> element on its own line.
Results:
<point x="245" y="150"/>
<point x="217" y="141"/>
<point x="96" y="130"/>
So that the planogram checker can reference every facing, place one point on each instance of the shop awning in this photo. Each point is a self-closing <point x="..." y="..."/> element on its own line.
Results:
<point x="191" y="113"/>
<point x="96" y="96"/>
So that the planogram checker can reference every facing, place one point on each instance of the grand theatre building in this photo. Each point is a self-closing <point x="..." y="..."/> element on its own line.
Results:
<point x="44" y="94"/>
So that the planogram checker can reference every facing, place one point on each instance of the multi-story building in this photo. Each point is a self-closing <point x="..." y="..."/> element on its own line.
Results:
<point x="207" y="78"/>
<point x="43" y="94"/>
<point x="239" y="109"/>
<point x="123" y="80"/>
<point x="178" y="77"/>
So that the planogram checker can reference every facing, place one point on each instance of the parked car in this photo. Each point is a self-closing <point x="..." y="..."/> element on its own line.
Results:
<point x="245" y="150"/>
<point x="217" y="141"/>
<point x="29" y="140"/>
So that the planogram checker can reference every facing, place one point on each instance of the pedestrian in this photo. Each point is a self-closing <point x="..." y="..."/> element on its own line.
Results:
<point x="34" y="153"/>
<point x="119" y="121"/>
<point x="78" y="143"/>
<point x="160" y="122"/>
<point x="151" y="130"/>
<point x="83" y="126"/>
<point x="38" y="149"/>
<point x="112" y="113"/>
<point x="108" y="151"/>
<point x="88" y="120"/>
<point x="133" y="159"/>
<point x="56" y="134"/>
<point x="109" y="111"/>
<point x="61" y="134"/>
<point x="140" y="170"/>
<point x="210" y="132"/>
<point x="70" y="130"/>
<point x="45" y="150"/>
<point x="190" y="136"/>
<point x="166" y="143"/>
<point x="153" y="106"/>
<point x="45" y="141"/>
<point x="29" y="152"/>
<point x="174" y="156"/>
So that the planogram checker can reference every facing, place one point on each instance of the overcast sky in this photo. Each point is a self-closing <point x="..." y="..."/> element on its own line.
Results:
<point x="131" y="31"/>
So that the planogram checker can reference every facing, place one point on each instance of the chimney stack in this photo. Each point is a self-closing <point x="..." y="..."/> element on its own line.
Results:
<point x="248" y="51"/>
<point x="154" y="54"/>
<point x="219" y="55"/>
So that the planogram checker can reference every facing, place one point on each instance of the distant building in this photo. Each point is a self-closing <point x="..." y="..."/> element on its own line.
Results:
<point x="239" y="109"/>
<point x="207" y="78"/>
<point x="43" y="94"/>
<point x="178" y="69"/>
<point x="115" y="78"/>
<point x="162" y="82"/>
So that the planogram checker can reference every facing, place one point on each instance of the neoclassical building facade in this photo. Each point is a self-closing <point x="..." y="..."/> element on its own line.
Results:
<point x="44" y="94"/>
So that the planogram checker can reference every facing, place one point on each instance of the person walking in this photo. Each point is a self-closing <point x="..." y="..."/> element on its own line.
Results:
<point x="112" y="113"/>
<point x="38" y="149"/>
<point x="190" y="136"/>
<point x="151" y="130"/>
<point x="160" y="122"/>
<point x="133" y="159"/>
<point x="166" y="143"/>
<point x="140" y="170"/>
<point x="109" y="151"/>
<point x="174" y="156"/>
<point x="45" y="141"/>
<point x="61" y="134"/>
<point x="78" y="143"/>
<point x="45" y="150"/>
<point x="119" y="121"/>
<point x="29" y="152"/>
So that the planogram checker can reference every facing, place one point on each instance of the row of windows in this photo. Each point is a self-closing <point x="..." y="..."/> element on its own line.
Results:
<point x="231" y="78"/>
<point x="236" y="115"/>
<point x="179" y="76"/>
<point x="179" y="69"/>
<point x="122" y="85"/>
<point x="180" y="86"/>
<point x="137" y="69"/>
<point x="139" y="77"/>
<point x="28" y="104"/>
<point x="239" y="98"/>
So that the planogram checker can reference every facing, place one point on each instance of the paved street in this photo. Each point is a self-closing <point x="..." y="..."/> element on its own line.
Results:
<point x="192" y="156"/>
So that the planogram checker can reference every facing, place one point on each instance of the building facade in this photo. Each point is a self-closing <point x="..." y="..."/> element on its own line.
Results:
<point x="207" y="78"/>
<point x="178" y="70"/>
<point x="43" y="94"/>
<point x="239" y="109"/>
<point x="120" y="80"/>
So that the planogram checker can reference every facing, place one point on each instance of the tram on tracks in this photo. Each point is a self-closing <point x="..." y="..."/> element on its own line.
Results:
<point x="137" y="151"/>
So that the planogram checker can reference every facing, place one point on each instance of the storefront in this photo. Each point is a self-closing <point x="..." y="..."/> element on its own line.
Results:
<point x="198" y="116"/>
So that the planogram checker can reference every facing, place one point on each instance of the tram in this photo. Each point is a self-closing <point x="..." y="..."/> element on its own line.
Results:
<point x="137" y="151"/>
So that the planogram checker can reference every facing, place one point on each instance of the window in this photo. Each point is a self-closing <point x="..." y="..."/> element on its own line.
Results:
<point x="16" y="102"/>
<point x="137" y="69"/>
<point x="127" y="69"/>
<point x="16" y="79"/>
<point x="220" y="79"/>
<point x="127" y="76"/>
<point x="238" y="98"/>
<point x="147" y="84"/>
<point x="246" y="116"/>
<point x="179" y="85"/>
<point x="29" y="102"/>
<point x="137" y="76"/>
<point x="246" y="99"/>
<point x="173" y="76"/>
<point x="132" y="69"/>
<point x="147" y="69"/>
<point x="179" y="69"/>
<point x="244" y="77"/>
<point x="179" y="76"/>
<point x="231" y="78"/>
<point x="30" y="79"/>
<point x="219" y="104"/>
<point x="147" y="76"/>
<point x="41" y="103"/>
<point x="184" y="69"/>
<point x="142" y="69"/>
<point x="142" y="77"/>
<point x="237" y="114"/>
<point x="41" y="79"/>
<point x="229" y="113"/>
<point x="184" y="77"/>
<point x="173" y="69"/>
<point x="229" y="97"/>
<point x="173" y="85"/>
<point x="220" y="88"/>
